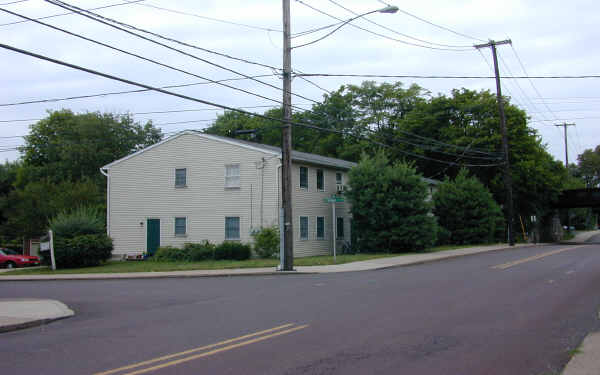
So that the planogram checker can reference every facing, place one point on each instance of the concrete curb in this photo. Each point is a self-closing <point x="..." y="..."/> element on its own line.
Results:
<point x="587" y="361"/>
<point x="306" y="270"/>
<point x="16" y="314"/>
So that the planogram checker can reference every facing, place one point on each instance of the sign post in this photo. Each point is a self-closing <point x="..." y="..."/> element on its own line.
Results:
<point x="333" y="200"/>
<point x="49" y="246"/>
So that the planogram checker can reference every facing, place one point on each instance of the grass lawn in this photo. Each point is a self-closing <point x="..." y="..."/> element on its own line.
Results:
<point x="152" y="266"/>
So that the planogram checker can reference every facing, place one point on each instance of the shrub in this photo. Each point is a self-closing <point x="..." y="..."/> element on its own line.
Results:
<point x="266" y="242"/>
<point x="200" y="251"/>
<point x="191" y="252"/>
<point x="233" y="251"/>
<point x="390" y="211"/>
<point x="80" y="221"/>
<point x="82" y="251"/>
<point x="467" y="211"/>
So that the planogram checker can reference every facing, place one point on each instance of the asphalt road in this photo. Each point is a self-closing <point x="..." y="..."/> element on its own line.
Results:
<point x="460" y="316"/>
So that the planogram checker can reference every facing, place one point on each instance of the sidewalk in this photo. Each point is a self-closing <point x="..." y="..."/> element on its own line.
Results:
<point x="583" y="236"/>
<point x="373" y="264"/>
<point x="24" y="313"/>
<point x="587" y="361"/>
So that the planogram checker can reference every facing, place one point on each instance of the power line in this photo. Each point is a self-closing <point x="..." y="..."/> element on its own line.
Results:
<point x="67" y="13"/>
<point x="447" y="76"/>
<point x="147" y="59"/>
<point x="88" y="11"/>
<point x="109" y="22"/>
<point x="210" y="18"/>
<point x="395" y="31"/>
<point x="36" y="101"/>
<point x="379" y="34"/>
<point x="436" y="25"/>
<point x="186" y="97"/>
<point x="157" y="112"/>
<point x="14" y="2"/>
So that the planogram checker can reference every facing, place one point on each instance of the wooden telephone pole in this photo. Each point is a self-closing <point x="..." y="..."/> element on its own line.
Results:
<point x="565" y="125"/>
<point x="509" y="210"/>
<point x="286" y="145"/>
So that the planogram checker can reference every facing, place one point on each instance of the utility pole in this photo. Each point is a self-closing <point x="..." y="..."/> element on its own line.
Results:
<point x="286" y="144"/>
<point x="507" y="176"/>
<point x="565" y="125"/>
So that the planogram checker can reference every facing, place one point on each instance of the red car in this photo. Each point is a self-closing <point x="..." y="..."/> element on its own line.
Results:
<point x="12" y="259"/>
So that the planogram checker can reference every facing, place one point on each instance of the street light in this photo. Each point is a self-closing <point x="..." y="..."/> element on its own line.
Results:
<point x="388" y="9"/>
<point x="286" y="218"/>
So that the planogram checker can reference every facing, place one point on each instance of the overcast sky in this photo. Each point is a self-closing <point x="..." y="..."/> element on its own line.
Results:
<point x="550" y="37"/>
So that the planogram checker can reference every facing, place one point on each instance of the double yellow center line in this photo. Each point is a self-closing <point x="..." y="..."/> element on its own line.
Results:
<point x="204" y="351"/>
<point x="529" y="259"/>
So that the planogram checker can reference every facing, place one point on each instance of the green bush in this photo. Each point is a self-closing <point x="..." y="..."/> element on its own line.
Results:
<point x="390" y="211"/>
<point x="266" y="242"/>
<point x="233" y="251"/>
<point x="191" y="252"/>
<point x="80" y="221"/>
<point x="467" y="211"/>
<point x="82" y="251"/>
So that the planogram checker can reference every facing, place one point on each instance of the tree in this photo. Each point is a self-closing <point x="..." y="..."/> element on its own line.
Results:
<point x="466" y="211"/>
<point x="390" y="210"/>
<point x="467" y="123"/>
<point x="588" y="166"/>
<point x="67" y="146"/>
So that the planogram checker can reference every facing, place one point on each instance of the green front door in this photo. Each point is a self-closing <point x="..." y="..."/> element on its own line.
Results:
<point x="152" y="235"/>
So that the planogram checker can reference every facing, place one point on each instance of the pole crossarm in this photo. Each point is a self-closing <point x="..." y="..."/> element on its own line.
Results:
<point x="492" y="43"/>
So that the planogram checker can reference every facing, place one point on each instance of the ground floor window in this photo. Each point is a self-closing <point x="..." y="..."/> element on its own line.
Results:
<point x="232" y="228"/>
<point x="304" y="227"/>
<point x="340" y="227"/>
<point x="180" y="226"/>
<point x="320" y="227"/>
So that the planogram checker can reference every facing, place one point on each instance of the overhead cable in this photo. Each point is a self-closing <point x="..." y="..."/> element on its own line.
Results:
<point x="186" y="97"/>
<point x="379" y="34"/>
<point x="111" y="22"/>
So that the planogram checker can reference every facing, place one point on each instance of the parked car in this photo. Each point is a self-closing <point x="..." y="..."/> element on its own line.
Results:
<point x="11" y="259"/>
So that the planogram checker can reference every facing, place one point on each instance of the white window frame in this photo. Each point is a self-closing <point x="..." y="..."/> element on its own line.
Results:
<point x="239" y="229"/>
<point x="300" y="228"/>
<point x="341" y="182"/>
<point x="300" y="177"/>
<point x="317" y="227"/>
<point x="337" y="228"/>
<point x="239" y="177"/>
<point x="175" y="226"/>
<point x="186" y="178"/>
<point x="317" y="179"/>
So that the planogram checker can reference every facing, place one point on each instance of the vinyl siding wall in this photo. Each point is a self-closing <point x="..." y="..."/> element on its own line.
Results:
<point x="143" y="187"/>
<point x="310" y="202"/>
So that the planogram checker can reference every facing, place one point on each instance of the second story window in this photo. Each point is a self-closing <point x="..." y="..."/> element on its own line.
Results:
<point x="232" y="176"/>
<point x="338" y="178"/>
<point x="180" y="177"/>
<point x="320" y="180"/>
<point x="303" y="178"/>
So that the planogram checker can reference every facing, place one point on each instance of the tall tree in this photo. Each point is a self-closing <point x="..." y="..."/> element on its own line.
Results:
<point x="69" y="146"/>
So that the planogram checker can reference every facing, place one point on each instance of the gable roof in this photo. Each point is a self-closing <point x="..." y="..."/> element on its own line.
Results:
<point x="273" y="150"/>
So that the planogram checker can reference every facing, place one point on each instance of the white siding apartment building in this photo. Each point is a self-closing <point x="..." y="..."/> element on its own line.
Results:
<point x="193" y="187"/>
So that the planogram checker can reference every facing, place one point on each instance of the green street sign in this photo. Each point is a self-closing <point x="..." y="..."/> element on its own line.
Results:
<point x="333" y="199"/>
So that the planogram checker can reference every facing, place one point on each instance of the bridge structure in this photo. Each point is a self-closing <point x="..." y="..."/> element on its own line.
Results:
<point x="574" y="198"/>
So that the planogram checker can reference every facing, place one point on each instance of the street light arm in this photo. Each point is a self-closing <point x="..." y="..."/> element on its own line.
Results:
<point x="388" y="9"/>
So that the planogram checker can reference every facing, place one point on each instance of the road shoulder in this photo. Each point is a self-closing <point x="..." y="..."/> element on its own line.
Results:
<point x="587" y="360"/>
